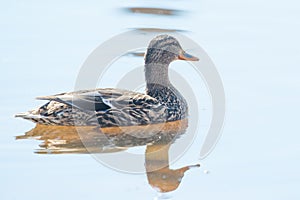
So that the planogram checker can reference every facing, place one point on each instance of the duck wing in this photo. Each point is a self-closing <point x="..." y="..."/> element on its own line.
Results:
<point x="102" y="99"/>
<point x="107" y="107"/>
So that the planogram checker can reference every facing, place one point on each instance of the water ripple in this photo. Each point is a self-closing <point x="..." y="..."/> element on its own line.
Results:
<point x="154" y="11"/>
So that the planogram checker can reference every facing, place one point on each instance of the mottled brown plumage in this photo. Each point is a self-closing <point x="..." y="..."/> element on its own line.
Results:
<point x="116" y="107"/>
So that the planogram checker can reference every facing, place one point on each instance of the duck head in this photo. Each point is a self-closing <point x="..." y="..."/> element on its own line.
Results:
<point x="161" y="51"/>
<point x="164" y="49"/>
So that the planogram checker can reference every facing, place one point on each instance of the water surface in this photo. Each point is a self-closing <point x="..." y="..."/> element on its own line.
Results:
<point x="255" y="46"/>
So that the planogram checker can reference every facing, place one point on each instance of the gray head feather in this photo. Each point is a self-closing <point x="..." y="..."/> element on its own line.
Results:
<point x="163" y="49"/>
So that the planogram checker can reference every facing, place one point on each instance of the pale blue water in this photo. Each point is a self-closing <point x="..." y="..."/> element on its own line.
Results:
<point x="255" y="46"/>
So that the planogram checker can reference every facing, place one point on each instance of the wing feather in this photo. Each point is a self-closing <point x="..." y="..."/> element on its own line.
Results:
<point x="102" y="99"/>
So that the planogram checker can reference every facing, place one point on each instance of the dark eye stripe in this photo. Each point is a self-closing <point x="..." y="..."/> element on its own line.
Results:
<point x="170" y="43"/>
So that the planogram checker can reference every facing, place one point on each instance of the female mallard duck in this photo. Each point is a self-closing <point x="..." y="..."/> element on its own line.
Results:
<point x="116" y="107"/>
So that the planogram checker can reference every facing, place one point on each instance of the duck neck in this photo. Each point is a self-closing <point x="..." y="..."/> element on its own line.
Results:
<point x="160" y="88"/>
<point x="157" y="74"/>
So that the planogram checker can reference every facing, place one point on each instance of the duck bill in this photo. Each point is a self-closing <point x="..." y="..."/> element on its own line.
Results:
<point x="187" y="57"/>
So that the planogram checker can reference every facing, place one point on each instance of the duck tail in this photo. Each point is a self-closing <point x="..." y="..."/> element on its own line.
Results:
<point x="22" y="115"/>
<point x="29" y="116"/>
<point x="25" y="115"/>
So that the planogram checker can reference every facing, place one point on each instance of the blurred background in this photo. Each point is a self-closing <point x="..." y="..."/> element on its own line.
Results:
<point x="255" y="46"/>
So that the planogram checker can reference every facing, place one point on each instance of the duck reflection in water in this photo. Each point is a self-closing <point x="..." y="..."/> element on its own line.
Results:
<point x="69" y="139"/>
